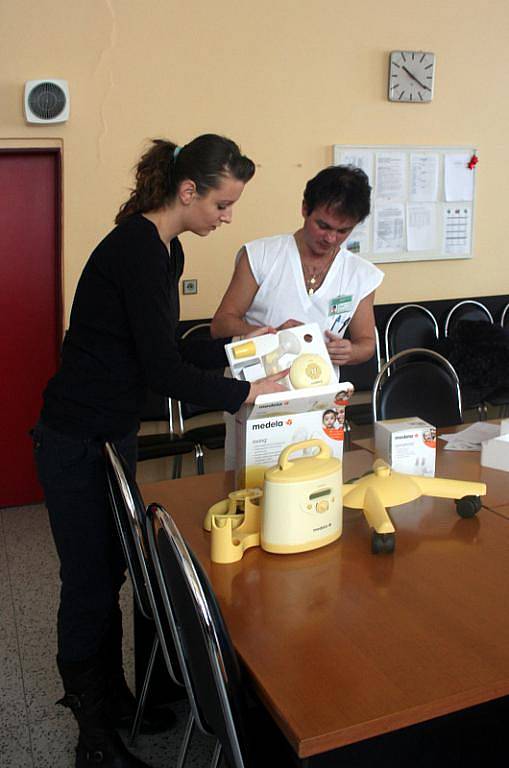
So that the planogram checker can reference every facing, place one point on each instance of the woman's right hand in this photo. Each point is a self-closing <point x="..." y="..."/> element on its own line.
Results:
<point x="266" y="386"/>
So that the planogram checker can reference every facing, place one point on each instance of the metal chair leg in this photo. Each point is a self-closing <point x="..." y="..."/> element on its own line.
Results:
<point x="200" y="464"/>
<point x="217" y="755"/>
<point x="177" y="467"/>
<point x="144" y="690"/>
<point x="184" y="747"/>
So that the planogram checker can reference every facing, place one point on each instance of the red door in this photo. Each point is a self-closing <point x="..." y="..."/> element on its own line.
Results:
<point x="30" y="308"/>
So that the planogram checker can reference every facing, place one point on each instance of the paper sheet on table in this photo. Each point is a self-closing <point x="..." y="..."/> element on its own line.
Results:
<point x="470" y="439"/>
<point x="458" y="177"/>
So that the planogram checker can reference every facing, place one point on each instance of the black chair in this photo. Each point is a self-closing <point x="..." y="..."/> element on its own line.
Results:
<point x="166" y="444"/>
<point x="207" y="657"/>
<point x="411" y="325"/>
<point x="426" y="386"/>
<point x="500" y="398"/>
<point x="200" y="348"/>
<point x="129" y="513"/>
<point x="362" y="377"/>
<point x="469" y="309"/>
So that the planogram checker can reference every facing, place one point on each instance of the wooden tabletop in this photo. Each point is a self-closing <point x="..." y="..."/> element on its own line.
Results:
<point x="343" y="645"/>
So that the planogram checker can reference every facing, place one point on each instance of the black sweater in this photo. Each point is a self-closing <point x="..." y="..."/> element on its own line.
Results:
<point x="122" y="340"/>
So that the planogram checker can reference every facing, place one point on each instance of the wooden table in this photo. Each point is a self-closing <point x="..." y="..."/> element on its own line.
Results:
<point x="342" y="645"/>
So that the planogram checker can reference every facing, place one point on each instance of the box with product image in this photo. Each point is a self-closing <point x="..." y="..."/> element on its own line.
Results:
<point x="302" y="349"/>
<point x="408" y="445"/>
<point x="313" y="405"/>
<point x="276" y="421"/>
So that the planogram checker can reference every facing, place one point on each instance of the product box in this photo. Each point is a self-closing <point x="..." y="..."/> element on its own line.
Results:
<point x="495" y="452"/>
<point x="302" y="349"/>
<point x="274" y="421"/>
<point x="408" y="445"/>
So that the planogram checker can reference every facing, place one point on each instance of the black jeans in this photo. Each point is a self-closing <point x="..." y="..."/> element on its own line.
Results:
<point x="92" y="564"/>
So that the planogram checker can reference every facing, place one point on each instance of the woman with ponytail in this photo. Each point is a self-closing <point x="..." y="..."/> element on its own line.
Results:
<point x="121" y="342"/>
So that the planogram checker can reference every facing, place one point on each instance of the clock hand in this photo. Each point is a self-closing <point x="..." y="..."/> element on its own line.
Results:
<point x="410" y="74"/>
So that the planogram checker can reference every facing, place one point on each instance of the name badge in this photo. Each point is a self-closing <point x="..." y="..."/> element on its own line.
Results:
<point x="340" y="305"/>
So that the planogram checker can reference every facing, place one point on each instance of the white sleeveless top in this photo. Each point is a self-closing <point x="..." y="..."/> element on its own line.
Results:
<point x="276" y="267"/>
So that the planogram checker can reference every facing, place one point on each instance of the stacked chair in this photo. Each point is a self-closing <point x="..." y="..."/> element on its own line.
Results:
<point x="173" y="590"/>
<point x="418" y="382"/>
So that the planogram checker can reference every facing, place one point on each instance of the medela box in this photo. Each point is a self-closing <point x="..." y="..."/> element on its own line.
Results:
<point x="301" y="349"/>
<point x="408" y="445"/>
<point x="275" y="421"/>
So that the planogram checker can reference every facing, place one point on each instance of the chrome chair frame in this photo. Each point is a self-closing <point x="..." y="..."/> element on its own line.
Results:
<point x="196" y="434"/>
<point x="130" y="529"/>
<point x="480" y="305"/>
<point x="218" y="666"/>
<point x="505" y="316"/>
<point x="410" y="352"/>
<point x="378" y="362"/>
<point x="425" y="310"/>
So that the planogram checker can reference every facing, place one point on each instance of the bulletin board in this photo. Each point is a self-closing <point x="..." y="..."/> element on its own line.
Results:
<point x="422" y="203"/>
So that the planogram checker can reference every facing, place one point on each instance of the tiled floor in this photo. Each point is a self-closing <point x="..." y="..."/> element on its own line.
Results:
<point x="34" y="732"/>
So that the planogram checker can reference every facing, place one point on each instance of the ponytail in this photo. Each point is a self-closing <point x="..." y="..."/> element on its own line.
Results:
<point x="206" y="160"/>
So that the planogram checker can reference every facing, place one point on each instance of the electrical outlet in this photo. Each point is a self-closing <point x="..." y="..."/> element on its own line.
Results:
<point x="189" y="286"/>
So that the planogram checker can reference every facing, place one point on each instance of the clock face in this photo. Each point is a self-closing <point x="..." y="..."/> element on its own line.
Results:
<point x="411" y="76"/>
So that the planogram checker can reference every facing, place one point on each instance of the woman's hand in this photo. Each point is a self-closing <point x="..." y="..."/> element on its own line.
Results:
<point x="267" y="385"/>
<point x="340" y="350"/>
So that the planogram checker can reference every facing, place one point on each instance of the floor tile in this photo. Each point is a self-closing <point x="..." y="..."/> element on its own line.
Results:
<point x="161" y="751"/>
<point x="15" y="747"/>
<point x="54" y="742"/>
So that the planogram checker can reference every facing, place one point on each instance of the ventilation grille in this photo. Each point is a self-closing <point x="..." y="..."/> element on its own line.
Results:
<point x="46" y="101"/>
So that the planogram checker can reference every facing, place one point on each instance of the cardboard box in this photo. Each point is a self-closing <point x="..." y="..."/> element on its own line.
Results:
<point x="495" y="452"/>
<point x="273" y="422"/>
<point x="408" y="445"/>
<point x="302" y="349"/>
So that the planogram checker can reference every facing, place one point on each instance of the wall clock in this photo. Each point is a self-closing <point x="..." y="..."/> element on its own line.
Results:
<point x="411" y="76"/>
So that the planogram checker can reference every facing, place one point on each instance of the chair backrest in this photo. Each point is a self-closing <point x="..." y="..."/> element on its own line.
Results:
<point x="208" y="659"/>
<point x="130" y="518"/>
<point x="198" y="347"/>
<point x="504" y="318"/>
<point x="466" y="310"/>
<point x="426" y="386"/>
<point x="364" y="374"/>
<point x="158" y="408"/>
<point x="411" y="325"/>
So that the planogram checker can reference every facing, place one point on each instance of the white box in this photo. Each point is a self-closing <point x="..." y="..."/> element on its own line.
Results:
<point x="301" y="348"/>
<point x="504" y="426"/>
<point x="408" y="445"/>
<point x="495" y="453"/>
<point x="274" y="421"/>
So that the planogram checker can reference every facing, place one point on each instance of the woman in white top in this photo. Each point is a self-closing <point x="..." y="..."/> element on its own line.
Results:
<point x="287" y="280"/>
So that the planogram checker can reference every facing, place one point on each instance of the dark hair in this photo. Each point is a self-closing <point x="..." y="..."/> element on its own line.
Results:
<point x="205" y="160"/>
<point x="342" y="188"/>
